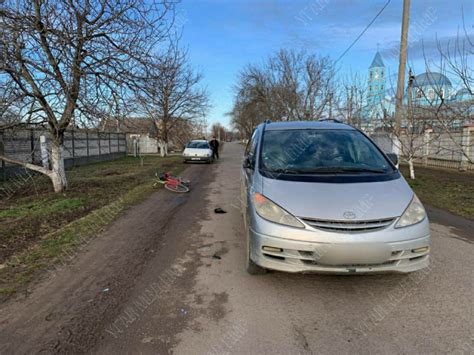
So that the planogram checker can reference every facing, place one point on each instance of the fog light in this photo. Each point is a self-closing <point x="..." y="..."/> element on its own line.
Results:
<point x="272" y="249"/>
<point x="420" y="250"/>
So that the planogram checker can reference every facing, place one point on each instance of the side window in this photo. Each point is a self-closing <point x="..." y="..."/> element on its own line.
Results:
<point x="251" y="149"/>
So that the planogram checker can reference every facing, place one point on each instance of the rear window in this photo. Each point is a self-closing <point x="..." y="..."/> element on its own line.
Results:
<point x="198" y="145"/>
<point x="321" y="152"/>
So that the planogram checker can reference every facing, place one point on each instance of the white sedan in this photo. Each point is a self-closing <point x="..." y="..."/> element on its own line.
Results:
<point x="198" y="150"/>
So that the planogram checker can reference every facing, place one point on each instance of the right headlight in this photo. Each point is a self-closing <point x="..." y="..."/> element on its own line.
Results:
<point x="271" y="211"/>
<point x="414" y="213"/>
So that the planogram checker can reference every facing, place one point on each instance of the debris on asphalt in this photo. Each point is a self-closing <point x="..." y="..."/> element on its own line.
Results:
<point x="215" y="256"/>
<point x="106" y="289"/>
<point x="183" y="311"/>
<point x="219" y="210"/>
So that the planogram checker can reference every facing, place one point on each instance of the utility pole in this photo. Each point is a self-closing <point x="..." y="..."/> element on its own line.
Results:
<point x="411" y="78"/>
<point x="402" y="65"/>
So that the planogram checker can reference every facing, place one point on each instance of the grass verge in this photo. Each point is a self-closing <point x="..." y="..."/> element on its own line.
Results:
<point x="447" y="189"/>
<point x="40" y="230"/>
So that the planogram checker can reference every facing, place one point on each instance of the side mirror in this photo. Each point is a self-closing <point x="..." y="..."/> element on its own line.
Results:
<point x="393" y="157"/>
<point x="247" y="163"/>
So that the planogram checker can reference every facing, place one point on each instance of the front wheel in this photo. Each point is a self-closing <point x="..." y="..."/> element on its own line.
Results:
<point x="177" y="188"/>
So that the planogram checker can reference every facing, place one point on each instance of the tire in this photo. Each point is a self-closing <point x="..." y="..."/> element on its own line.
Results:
<point x="185" y="182"/>
<point x="252" y="268"/>
<point x="177" y="188"/>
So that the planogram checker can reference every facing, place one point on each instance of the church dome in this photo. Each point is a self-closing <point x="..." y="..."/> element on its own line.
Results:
<point x="463" y="94"/>
<point x="431" y="79"/>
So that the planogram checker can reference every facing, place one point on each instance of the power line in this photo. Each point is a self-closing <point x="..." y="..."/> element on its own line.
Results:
<point x="365" y="30"/>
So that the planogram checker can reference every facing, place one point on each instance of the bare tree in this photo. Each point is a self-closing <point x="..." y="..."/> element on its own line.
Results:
<point x="289" y="85"/>
<point x="427" y="117"/>
<point x="173" y="94"/>
<point x="65" y="58"/>
<point x="219" y="131"/>
<point x="458" y="56"/>
<point x="351" y="99"/>
<point x="249" y="107"/>
<point x="184" y="131"/>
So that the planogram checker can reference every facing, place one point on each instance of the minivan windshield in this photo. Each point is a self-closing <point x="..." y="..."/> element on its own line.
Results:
<point x="318" y="151"/>
<point x="198" y="145"/>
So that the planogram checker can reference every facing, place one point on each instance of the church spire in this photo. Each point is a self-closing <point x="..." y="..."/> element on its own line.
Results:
<point x="377" y="62"/>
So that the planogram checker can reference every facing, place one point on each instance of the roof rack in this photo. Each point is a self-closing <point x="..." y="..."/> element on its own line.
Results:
<point x="330" y="119"/>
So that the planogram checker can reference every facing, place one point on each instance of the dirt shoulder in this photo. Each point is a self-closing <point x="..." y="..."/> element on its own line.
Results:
<point x="445" y="189"/>
<point x="40" y="229"/>
<point x="69" y="310"/>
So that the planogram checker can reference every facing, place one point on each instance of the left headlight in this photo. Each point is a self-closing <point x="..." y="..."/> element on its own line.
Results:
<point x="274" y="213"/>
<point x="414" y="213"/>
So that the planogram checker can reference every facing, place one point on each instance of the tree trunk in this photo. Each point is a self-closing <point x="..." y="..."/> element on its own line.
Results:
<point x="412" y="169"/>
<point x="58" y="172"/>
<point x="162" y="148"/>
<point x="166" y="148"/>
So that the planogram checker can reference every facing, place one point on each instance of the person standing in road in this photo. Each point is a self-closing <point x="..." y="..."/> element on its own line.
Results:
<point x="214" y="143"/>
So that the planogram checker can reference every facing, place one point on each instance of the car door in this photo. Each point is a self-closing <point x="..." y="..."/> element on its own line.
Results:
<point x="248" y="170"/>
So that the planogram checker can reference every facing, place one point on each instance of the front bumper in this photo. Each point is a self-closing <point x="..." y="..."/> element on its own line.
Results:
<point x="340" y="258"/>
<point x="197" y="159"/>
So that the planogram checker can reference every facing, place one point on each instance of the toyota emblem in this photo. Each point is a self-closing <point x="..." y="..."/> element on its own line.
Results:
<point x="349" y="215"/>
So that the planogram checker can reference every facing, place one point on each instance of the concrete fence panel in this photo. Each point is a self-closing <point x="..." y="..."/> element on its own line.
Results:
<point x="80" y="147"/>
<point x="449" y="150"/>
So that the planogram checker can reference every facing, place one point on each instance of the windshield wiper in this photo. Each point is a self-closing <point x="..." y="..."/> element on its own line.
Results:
<point x="338" y="170"/>
<point x="364" y="170"/>
<point x="325" y="170"/>
<point x="283" y="171"/>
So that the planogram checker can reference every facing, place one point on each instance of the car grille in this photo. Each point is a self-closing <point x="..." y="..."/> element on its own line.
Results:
<point x="349" y="226"/>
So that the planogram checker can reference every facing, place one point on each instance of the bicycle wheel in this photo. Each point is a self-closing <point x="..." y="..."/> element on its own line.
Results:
<point x="182" y="181"/>
<point x="177" y="188"/>
<point x="185" y="182"/>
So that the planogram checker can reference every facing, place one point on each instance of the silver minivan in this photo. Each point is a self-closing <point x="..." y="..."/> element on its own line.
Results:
<point x="320" y="196"/>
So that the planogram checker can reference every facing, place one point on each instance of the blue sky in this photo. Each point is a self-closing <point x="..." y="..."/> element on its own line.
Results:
<point x="223" y="36"/>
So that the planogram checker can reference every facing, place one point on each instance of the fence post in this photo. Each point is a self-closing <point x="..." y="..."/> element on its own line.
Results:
<point x="73" y="145"/>
<point x="110" y="144"/>
<point x="426" y="146"/>
<point x="466" y="146"/>
<point x="135" y="146"/>
<point x="2" y="152"/>
<point x="32" y="145"/>
<point x="87" y="143"/>
<point x="98" y="139"/>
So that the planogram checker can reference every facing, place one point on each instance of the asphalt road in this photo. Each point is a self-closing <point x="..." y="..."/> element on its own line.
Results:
<point x="168" y="277"/>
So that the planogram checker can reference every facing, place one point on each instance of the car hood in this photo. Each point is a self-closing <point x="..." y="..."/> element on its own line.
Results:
<point x="330" y="201"/>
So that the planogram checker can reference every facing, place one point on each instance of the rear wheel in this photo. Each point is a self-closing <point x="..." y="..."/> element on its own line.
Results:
<point x="185" y="182"/>
<point x="177" y="188"/>
<point x="252" y="268"/>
